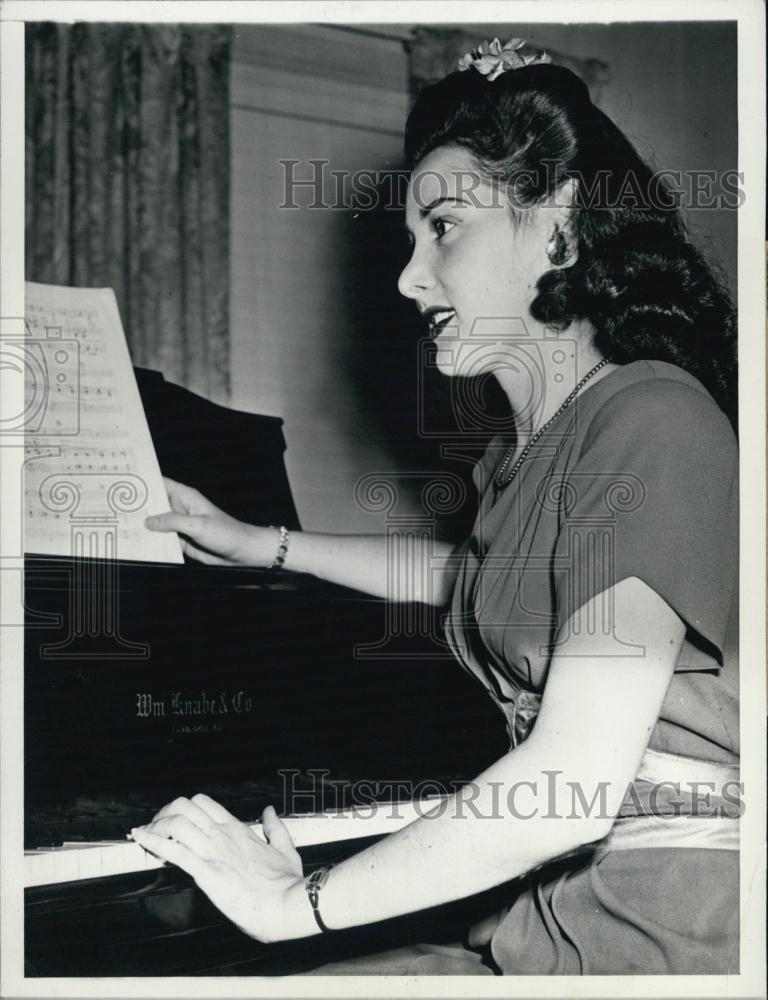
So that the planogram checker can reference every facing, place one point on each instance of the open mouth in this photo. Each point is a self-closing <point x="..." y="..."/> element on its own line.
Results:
<point x="439" y="320"/>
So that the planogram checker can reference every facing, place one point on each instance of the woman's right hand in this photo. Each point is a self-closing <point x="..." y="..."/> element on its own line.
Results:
<point x="209" y="534"/>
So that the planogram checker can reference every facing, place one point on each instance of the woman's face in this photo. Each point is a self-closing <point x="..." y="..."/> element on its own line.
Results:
<point x="473" y="270"/>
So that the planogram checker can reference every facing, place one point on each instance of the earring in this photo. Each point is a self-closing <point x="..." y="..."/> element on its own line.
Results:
<point x="557" y="248"/>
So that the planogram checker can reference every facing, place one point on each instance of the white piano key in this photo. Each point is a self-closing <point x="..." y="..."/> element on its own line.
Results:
<point x="128" y="857"/>
<point x="112" y="859"/>
<point x="89" y="863"/>
<point x="74" y="844"/>
<point x="73" y="862"/>
<point x="41" y="869"/>
<point x="64" y="864"/>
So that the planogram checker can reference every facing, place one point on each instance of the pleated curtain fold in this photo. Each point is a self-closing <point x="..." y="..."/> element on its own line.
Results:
<point x="127" y="183"/>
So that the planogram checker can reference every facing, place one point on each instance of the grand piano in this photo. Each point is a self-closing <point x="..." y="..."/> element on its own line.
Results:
<point x="253" y="686"/>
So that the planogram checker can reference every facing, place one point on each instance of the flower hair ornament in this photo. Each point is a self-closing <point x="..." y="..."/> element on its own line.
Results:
<point x="492" y="58"/>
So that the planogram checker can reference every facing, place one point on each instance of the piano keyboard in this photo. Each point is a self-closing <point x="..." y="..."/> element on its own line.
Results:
<point x="72" y="862"/>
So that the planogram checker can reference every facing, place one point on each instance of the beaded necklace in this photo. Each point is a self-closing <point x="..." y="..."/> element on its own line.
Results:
<point x="500" y="479"/>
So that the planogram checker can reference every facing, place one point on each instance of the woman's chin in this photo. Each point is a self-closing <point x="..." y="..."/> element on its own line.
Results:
<point x="445" y="362"/>
<point x="453" y="359"/>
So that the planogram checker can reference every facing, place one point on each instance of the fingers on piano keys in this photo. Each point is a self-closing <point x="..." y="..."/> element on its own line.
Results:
<point x="72" y="862"/>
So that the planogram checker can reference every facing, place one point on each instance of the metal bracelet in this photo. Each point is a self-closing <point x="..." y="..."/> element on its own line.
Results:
<point x="282" y="550"/>
<point x="313" y="884"/>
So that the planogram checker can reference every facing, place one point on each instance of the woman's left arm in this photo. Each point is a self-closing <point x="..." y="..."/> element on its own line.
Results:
<point x="557" y="791"/>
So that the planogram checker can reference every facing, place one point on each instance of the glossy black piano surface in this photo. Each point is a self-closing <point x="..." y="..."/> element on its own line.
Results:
<point x="251" y="688"/>
<point x="241" y="683"/>
<point x="161" y="925"/>
<point x="244" y="675"/>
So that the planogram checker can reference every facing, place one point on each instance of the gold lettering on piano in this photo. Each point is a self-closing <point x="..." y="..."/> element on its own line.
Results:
<point x="147" y="706"/>
<point x="180" y="703"/>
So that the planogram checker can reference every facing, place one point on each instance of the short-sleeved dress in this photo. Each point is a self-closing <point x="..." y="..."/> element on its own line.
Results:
<point x="638" y="478"/>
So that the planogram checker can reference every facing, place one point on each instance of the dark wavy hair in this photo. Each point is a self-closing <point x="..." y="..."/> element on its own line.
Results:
<point x="638" y="278"/>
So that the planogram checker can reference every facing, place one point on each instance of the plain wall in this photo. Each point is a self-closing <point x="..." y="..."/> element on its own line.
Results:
<point x="320" y="336"/>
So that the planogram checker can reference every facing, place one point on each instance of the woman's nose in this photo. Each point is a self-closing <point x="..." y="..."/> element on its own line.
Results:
<point x="415" y="276"/>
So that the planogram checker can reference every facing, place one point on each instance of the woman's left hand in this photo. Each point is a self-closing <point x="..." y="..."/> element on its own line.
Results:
<point x="247" y="879"/>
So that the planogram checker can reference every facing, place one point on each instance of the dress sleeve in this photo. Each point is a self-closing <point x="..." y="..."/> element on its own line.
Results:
<point x="653" y="495"/>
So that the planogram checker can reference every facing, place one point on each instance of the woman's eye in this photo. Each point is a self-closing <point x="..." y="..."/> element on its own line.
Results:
<point x="442" y="226"/>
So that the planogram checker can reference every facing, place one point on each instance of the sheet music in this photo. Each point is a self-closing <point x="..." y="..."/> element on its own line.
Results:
<point x="91" y="473"/>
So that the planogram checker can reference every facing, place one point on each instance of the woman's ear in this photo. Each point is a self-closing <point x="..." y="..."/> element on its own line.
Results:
<point x="562" y="249"/>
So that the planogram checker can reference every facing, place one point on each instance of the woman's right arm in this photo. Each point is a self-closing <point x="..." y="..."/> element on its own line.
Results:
<point x="423" y="570"/>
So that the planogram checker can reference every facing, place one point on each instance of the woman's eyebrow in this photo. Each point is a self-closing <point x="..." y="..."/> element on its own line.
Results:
<point x="426" y="209"/>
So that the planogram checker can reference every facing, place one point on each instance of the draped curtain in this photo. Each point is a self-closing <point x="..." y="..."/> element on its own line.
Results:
<point x="127" y="183"/>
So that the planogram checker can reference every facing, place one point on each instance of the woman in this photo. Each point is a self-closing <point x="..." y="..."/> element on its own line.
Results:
<point x="595" y="592"/>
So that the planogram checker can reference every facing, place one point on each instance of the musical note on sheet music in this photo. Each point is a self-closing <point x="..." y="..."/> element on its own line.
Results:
<point x="90" y="465"/>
